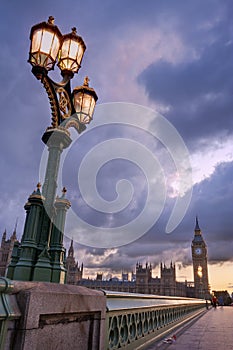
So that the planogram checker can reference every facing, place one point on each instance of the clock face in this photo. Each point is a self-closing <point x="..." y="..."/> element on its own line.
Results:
<point x="198" y="251"/>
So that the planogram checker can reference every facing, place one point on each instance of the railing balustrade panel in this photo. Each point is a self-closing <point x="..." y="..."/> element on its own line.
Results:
<point x="134" y="319"/>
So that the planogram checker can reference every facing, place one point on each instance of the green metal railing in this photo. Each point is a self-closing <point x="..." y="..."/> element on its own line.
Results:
<point x="135" y="319"/>
<point x="8" y="308"/>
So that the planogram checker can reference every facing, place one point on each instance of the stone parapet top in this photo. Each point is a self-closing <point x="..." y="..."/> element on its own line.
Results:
<point x="47" y="287"/>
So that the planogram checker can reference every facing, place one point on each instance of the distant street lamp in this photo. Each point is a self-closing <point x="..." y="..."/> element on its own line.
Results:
<point x="40" y="255"/>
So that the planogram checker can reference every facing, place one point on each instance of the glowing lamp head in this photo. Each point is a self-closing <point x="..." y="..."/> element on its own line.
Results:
<point x="71" y="52"/>
<point x="45" y="44"/>
<point x="84" y="99"/>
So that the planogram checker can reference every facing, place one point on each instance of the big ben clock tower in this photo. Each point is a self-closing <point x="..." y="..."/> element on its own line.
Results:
<point x="200" y="268"/>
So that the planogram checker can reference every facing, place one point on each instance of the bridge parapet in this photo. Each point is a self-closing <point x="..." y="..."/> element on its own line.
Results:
<point x="134" y="320"/>
<point x="51" y="316"/>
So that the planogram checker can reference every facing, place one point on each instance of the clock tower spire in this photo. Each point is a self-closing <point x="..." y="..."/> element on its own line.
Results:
<point x="200" y="267"/>
<point x="197" y="228"/>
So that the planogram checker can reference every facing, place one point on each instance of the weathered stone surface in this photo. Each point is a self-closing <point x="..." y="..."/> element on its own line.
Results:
<point x="59" y="317"/>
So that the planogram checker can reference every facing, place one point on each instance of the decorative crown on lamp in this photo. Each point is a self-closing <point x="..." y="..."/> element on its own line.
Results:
<point x="84" y="100"/>
<point x="71" y="52"/>
<point x="45" y="44"/>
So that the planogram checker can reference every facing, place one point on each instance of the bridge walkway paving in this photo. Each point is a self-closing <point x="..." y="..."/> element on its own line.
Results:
<point x="212" y="331"/>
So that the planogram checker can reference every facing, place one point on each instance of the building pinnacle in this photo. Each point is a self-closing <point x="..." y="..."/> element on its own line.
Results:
<point x="197" y="228"/>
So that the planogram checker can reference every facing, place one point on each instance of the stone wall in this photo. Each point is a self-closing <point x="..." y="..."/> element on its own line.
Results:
<point x="57" y="317"/>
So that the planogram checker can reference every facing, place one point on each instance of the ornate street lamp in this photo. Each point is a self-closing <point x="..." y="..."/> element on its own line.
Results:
<point x="84" y="99"/>
<point x="45" y="43"/>
<point x="48" y="46"/>
<point x="71" y="52"/>
<point x="40" y="255"/>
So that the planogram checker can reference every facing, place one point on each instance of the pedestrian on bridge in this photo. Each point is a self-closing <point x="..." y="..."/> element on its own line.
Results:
<point x="214" y="301"/>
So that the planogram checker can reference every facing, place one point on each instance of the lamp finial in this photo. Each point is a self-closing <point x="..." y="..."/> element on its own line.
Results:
<point x="86" y="81"/>
<point x="74" y="30"/>
<point x="51" y="20"/>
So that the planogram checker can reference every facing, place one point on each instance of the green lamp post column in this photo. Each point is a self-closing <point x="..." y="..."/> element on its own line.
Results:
<point x="57" y="250"/>
<point x="56" y="140"/>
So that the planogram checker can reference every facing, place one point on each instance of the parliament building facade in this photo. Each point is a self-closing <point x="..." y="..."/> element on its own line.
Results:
<point x="141" y="280"/>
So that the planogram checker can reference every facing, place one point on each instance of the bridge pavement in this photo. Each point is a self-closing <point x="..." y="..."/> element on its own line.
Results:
<point x="212" y="331"/>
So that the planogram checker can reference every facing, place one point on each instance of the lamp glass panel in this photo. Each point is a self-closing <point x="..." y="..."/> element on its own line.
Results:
<point x="80" y="54"/>
<point x="92" y="107"/>
<point x="46" y="42"/>
<point x="65" y="48"/>
<point x="66" y="64"/>
<point x="55" y="47"/>
<point x="78" y="101"/>
<point x="84" y="118"/>
<point x="86" y="103"/>
<point x="42" y="59"/>
<point x="73" y="49"/>
<point x="36" y="40"/>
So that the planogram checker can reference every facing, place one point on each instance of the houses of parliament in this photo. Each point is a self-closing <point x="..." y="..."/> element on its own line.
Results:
<point x="141" y="280"/>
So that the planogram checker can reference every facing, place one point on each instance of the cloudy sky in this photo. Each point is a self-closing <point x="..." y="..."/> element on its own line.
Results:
<point x="172" y="57"/>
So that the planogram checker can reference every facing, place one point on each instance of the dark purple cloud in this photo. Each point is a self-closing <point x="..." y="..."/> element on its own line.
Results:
<point x="199" y="93"/>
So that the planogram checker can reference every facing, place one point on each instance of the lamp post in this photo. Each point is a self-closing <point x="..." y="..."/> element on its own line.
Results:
<point x="40" y="255"/>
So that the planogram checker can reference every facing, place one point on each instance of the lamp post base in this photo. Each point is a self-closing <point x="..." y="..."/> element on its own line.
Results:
<point x="58" y="274"/>
<point x="23" y="270"/>
<point x="43" y="268"/>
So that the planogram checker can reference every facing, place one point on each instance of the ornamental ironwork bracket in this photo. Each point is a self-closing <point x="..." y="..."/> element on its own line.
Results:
<point x="59" y="95"/>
